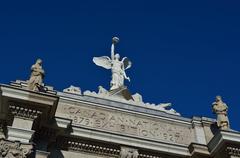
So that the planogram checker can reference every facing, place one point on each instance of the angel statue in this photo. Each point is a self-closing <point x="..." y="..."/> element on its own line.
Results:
<point x="117" y="66"/>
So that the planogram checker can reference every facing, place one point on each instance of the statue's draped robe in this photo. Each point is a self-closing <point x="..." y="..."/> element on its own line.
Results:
<point x="221" y="110"/>
<point x="117" y="75"/>
<point x="36" y="78"/>
<point x="118" y="69"/>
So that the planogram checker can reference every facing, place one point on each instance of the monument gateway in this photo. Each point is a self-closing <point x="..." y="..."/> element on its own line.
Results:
<point x="38" y="121"/>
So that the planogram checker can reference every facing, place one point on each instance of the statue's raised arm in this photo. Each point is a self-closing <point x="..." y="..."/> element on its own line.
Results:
<point x="115" y="40"/>
<point x="126" y="63"/>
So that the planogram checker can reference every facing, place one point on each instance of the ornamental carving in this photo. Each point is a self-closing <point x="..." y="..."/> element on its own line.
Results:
<point x="129" y="153"/>
<point x="233" y="151"/>
<point x="10" y="149"/>
<point x="24" y="112"/>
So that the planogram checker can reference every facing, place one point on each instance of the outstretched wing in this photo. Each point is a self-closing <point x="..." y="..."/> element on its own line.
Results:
<point x="126" y="63"/>
<point x="103" y="61"/>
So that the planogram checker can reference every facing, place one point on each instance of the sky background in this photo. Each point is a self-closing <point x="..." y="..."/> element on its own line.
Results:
<point x="183" y="52"/>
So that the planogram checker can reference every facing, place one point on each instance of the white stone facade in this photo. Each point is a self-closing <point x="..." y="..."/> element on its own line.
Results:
<point x="72" y="125"/>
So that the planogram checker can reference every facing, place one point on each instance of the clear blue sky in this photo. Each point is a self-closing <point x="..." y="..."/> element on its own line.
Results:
<point x="184" y="52"/>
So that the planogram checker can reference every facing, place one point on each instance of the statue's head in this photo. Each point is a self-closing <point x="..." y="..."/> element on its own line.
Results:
<point x="218" y="98"/>
<point x="117" y="56"/>
<point x="39" y="61"/>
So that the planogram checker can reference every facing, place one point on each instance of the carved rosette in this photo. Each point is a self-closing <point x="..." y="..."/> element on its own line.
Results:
<point x="10" y="149"/>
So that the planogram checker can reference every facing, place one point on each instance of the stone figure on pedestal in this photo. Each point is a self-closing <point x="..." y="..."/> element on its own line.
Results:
<point x="117" y="66"/>
<point x="37" y="75"/>
<point x="220" y="108"/>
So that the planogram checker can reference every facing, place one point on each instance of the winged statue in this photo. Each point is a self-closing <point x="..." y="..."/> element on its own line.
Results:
<point x="116" y="65"/>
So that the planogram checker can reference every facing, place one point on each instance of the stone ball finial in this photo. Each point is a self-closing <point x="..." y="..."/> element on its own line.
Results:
<point x="115" y="40"/>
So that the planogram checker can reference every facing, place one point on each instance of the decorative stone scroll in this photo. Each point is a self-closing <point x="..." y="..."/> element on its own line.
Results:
<point x="10" y="149"/>
<point x="126" y="123"/>
<point x="137" y="100"/>
<point x="73" y="90"/>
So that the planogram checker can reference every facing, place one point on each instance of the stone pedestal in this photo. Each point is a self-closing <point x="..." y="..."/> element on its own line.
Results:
<point x="122" y="93"/>
<point x="20" y="134"/>
<point x="225" y="144"/>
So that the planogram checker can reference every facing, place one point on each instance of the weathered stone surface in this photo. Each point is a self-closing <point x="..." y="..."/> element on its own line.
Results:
<point x="117" y="121"/>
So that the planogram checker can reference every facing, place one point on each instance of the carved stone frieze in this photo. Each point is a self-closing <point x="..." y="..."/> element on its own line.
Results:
<point x="126" y="123"/>
<point x="10" y="149"/>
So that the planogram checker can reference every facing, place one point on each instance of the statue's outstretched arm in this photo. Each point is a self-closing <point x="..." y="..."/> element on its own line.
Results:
<point x="125" y="76"/>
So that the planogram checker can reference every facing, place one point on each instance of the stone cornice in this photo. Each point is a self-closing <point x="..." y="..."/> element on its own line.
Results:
<point x="223" y="139"/>
<point x="132" y="141"/>
<point x="76" y="144"/>
<point x="32" y="102"/>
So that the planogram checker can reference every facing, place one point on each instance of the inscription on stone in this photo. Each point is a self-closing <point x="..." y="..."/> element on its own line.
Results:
<point x="126" y="123"/>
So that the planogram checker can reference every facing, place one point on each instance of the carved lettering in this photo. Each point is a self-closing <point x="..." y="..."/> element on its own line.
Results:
<point x="130" y="124"/>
